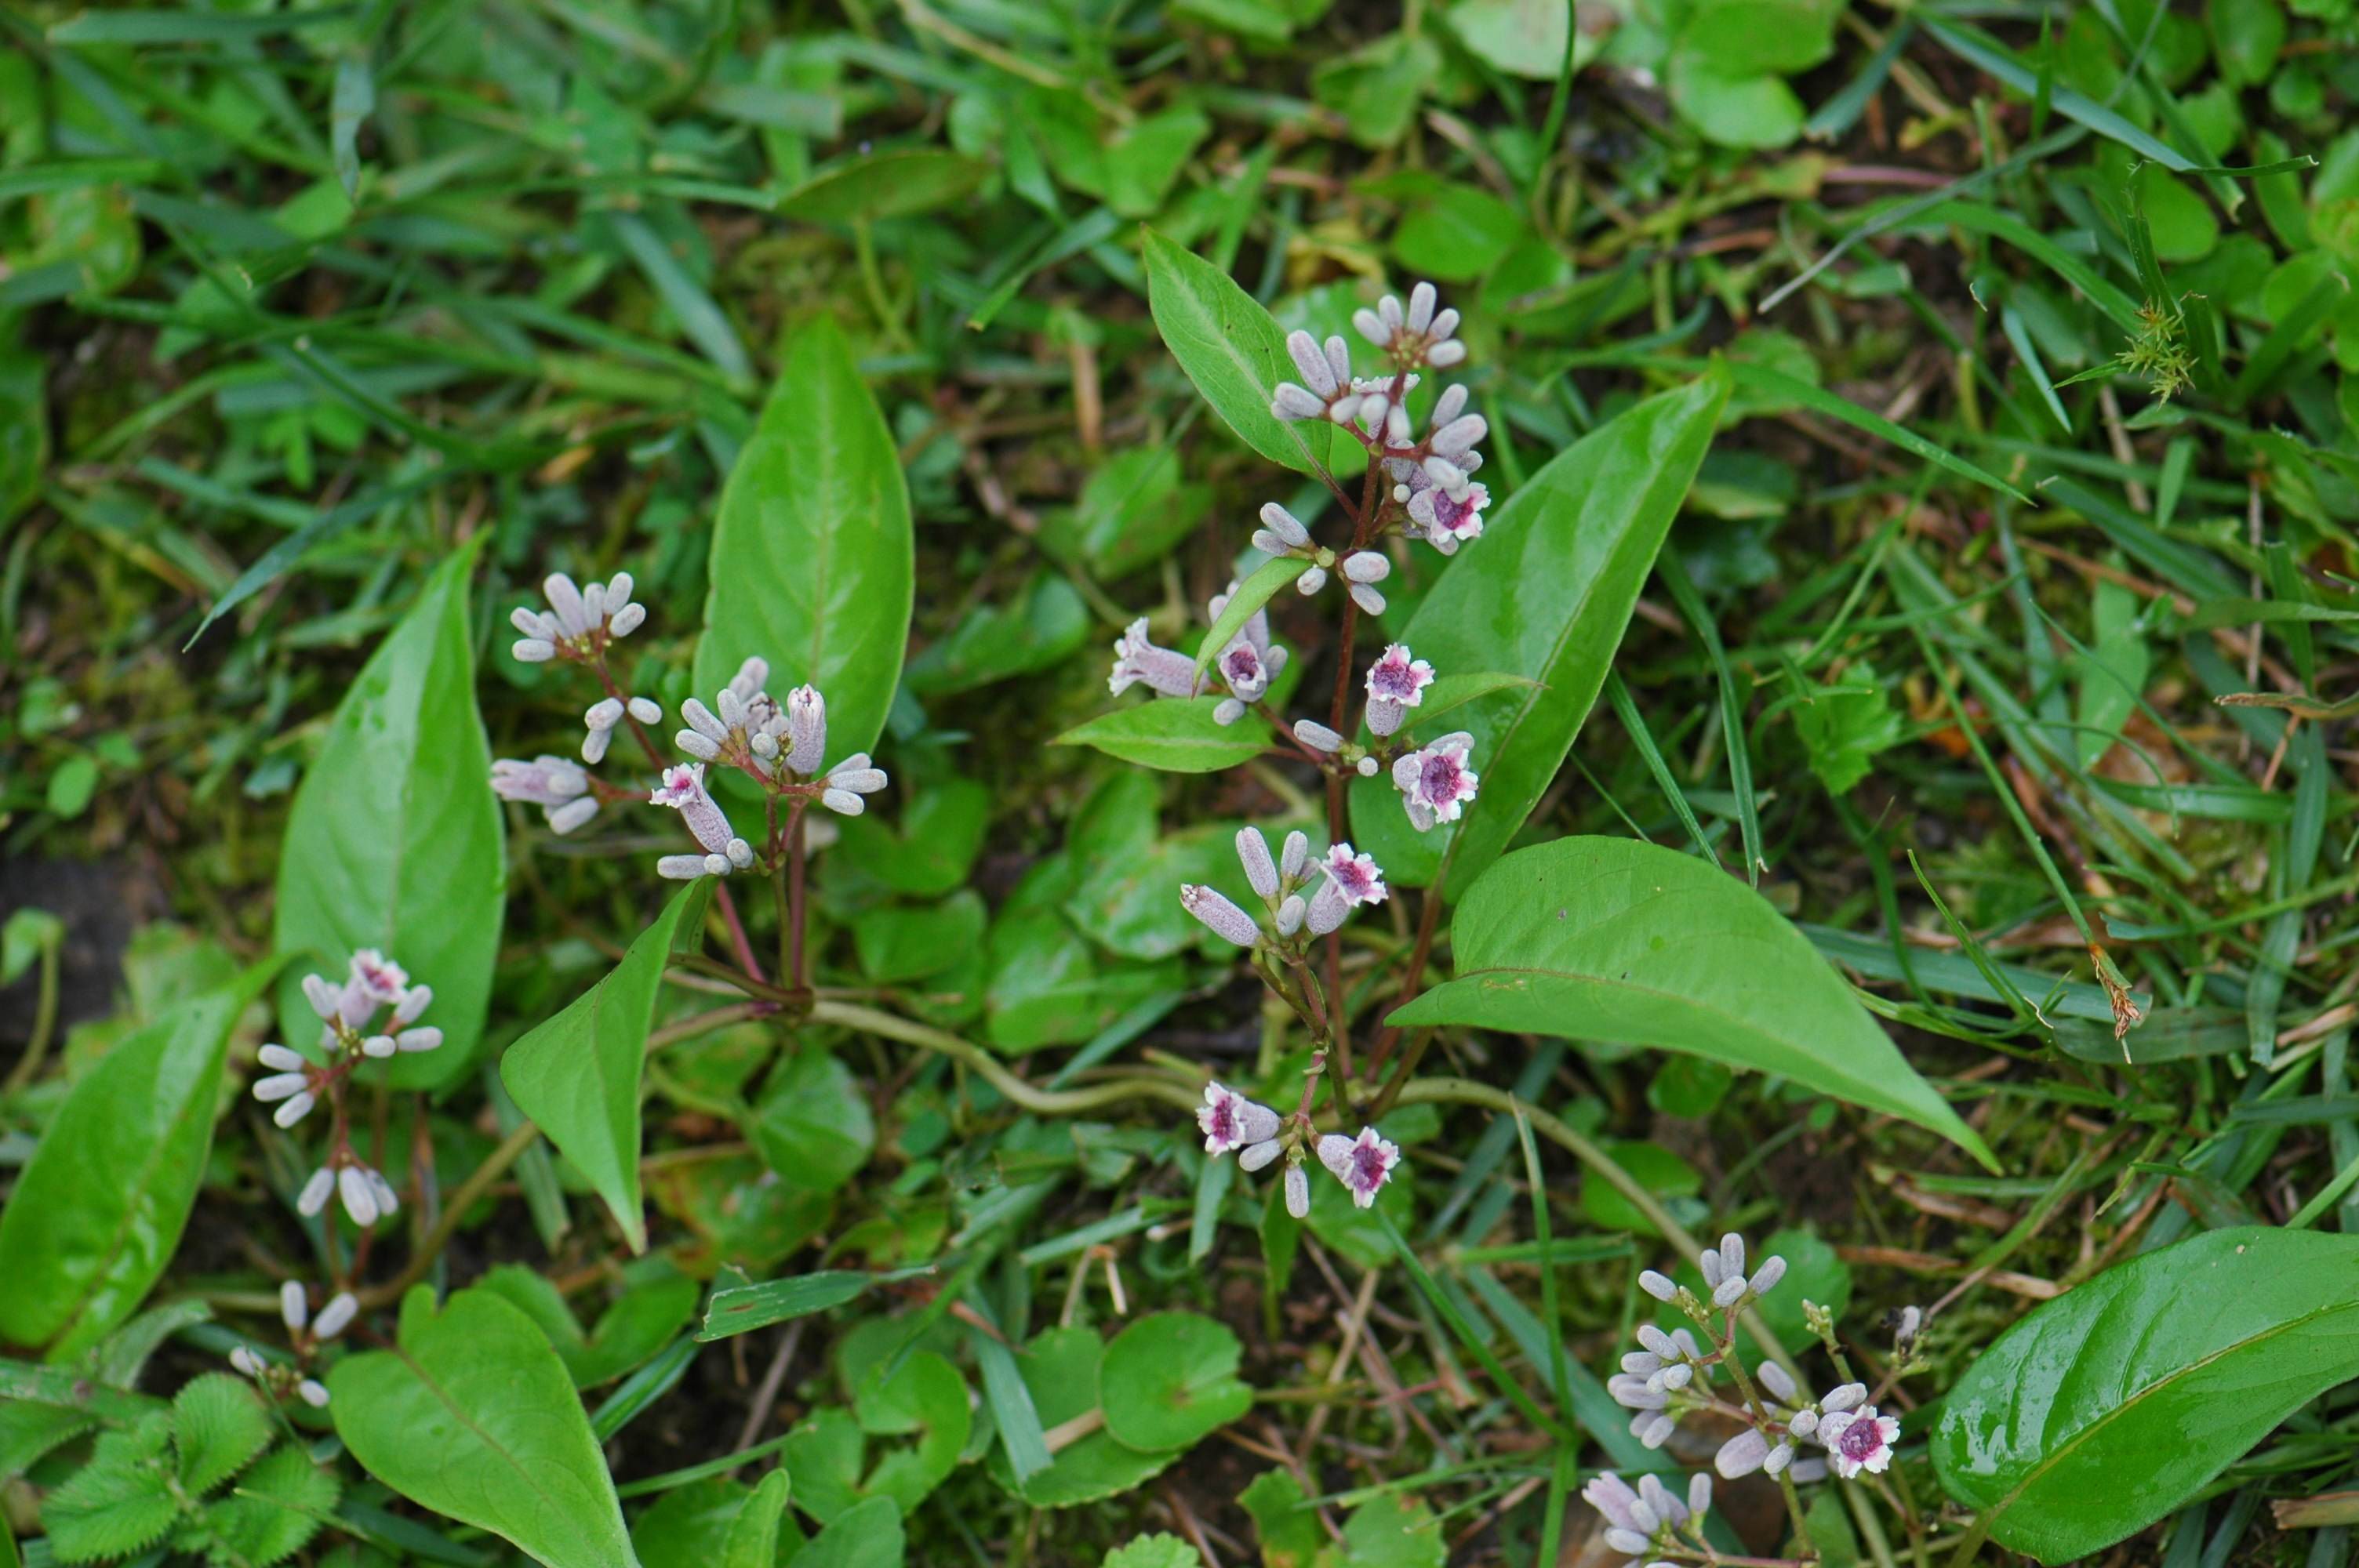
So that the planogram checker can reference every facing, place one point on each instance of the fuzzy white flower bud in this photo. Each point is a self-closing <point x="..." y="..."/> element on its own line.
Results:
<point x="337" y="1316"/>
<point x="1221" y="916"/>
<point x="294" y="1307"/>
<point x="316" y="1192"/>
<point x="1316" y="736"/>
<point x="1252" y="854"/>
<point x="1298" y="1193"/>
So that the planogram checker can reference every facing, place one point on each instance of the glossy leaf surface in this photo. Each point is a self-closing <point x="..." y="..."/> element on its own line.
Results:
<point x="810" y="564"/>
<point x="1176" y="735"/>
<point x="395" y="839"/>
<point x="1612" y="939"/>
<point x="100" y="1207"/>
<point x="578" y="1074"/>
<point x="1229" y="346"/>
<point x="2114" y="1404"/>
<point x="474" y="1416"/>
<point x="1544" y="594"/>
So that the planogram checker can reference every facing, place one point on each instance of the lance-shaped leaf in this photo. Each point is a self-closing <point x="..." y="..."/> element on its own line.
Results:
<point x="394" y="840"/>
<point x="474" y="1416"/>
<point x="1545" y="594"/>
<point x="100" y="1207"/>
<point x="1612" y="939"/>
<point x="1255" y="591"/>
<point x="578" y="1074"/>
<point x="1230" y="348"/>
<point x="811" y="552"/>
<point x="1177" y="735"/>
<point x="2119" y="1400"/>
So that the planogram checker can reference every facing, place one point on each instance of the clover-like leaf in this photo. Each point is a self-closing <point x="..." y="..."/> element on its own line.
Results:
<point x="1169" y="1379"/>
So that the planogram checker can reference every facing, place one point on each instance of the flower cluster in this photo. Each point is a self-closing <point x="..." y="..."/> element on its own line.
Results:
<point x="1670" y="1375"/>
<point x="1246" y="666"/>
<point x="1232" y="1122"/>
<point x="351" y="1031"/>
<point x="1337" y="882"/>
<point x="1652" y="1518"/>
<point x="781" y="746"/>
<point x="307" y="1333"/>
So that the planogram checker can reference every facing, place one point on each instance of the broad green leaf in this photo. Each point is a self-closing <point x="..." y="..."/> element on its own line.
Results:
<point x="100" y="1206"/>
<point x="810" y="565"/>
<point x="753" y="1539"/>
<point x="1390" y="1530"/>
<point x="1168" y="1380"/>
<point x="474" y="1416"/>
<point x="1544" y="594"/>
<point x="1632" y="943"/>
<point x="1229" y="346"/>
<point x="578" y="1074"/>
<point x="813" y="1126"/>
<point x="1252" y="594"/>
<point x="394" y="840"/>
<point x="1154" y="1551"/>
<point x="657" y="1302"/>
<point x="867" y="1536"/>
<point x="1176" y="734"/>
<point x="890" y="184"/>
<point x="2109" y="1407"/>
<point x="689" y="1525"/>
<point x="1059" y="1367"/>
<point x="739" y="1309"/>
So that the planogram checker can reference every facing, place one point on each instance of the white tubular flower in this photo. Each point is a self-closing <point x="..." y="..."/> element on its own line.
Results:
<point x="1435" y="781"/>
<point x="1364" y="1164"/>
<point x="414" y="1002"/>
<point x="1652" y="1428"/>
<point x="1741" y="1454"/>
<point x="322" y="993"/>
<point x="1659" y="1286"/>
<point x="556" y="785"/>
<point x="294" y="1307"/>
<point x="1805" y="1470"/>
<point x="1227" y="712"/>
<point x="1765" y="1279"/>
<point x="1243" y="667"/>
<point x="388" y="1202"/>
<point x="279" y="1087"/>
<point x="1781" y="1454"/>
<point x="1633" y="1392"/>
<point x="373" y="981"/>
<point x="1368" y="566"/>
<point x="1286" y="527"/>
<point x="1661" y="1501"/>
<point x="1457" y="437"/>
<point x="806" y="727"/>
<point x="1356" y="876"/>
<point x="1298" y="1193"/>
<point x="697" y="744"/>
<point x="426" y="1037"/>
<point x="683" y="790"/>
<point x="847" y="782"/>
<point x="1397" y="683"/>
<point x="1627" y="1541"/>
<point x="1311" y="581"/>
<point x="1778" y="1382"/>
<point x="1224" y="917"/>
<point x="360" y="1197"/>
<point x="316" y="1192"/>
<point x="683" y="868"/>
<point x="312" y="1391"/>
<point x="1699" y="1495"/>
<point x="1444" y="503"/>
<point x="1368" y="599"/>
<point x="336" y="1316"/>
<point x="1611" y="1496"/>
<point x="247" y="1362"/>
<point x="1231" y="1121"/>
<point x="1327" y="909"/>
<point x="1316" y="736"/>
<point x="1256" y="1155"/>
<point x="1729" y="1292"/>
<point x="380" y="1046"/>
<point x="603" y="714"/>
<point x="1252" y="854"/>
<point x="646" y="710"/>
<point x="1137" y="662"/>
<point x="295" y="1109"/>
<point x="279" y="1059"/>
<point x="1849" y="1396"/>
<point x="1328" y="370"/>
<point x="1291" y="914"/>
<point x="1294" y="855"/>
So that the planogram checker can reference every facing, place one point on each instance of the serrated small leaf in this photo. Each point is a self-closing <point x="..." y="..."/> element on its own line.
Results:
<point x="278" y="1507"/>
<point x="218" y="1423"/>
<point x="119" y="1502"/>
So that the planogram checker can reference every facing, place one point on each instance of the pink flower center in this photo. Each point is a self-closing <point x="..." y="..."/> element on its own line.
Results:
<point x="1368" y="1167"/>
<point x="1242" y="665"/>
<point x="1860" y="1440"/>
<point x="1224" y="1124"/>
<point x="1394" y="680"/>
<point x="1453" y="515"/>
<point x="1440" y="778"/>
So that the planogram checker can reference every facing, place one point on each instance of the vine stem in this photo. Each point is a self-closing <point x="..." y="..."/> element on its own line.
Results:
<point x="495" y="1165"/>
<point x="1044" y="1102"/>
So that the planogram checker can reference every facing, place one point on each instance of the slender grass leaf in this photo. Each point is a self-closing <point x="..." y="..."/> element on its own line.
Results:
<point x="1609" y="939"/>
<point x="892" y="184"/>
<point x="1545" y="594"/>
<point x="1985" y="51"/>
<point x="474" y="1416"/>
<point x="394" y="840"/>
<point x="578" y="1074"/>
<point x="2118" y="1401"/>
<point x="98" y="1209"/>
<point x="812" y="553"/>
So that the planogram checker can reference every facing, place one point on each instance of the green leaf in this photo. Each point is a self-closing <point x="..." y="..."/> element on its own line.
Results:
<point x="891" y="184"/>
<point x="658" y="1301"/>
<point x="1845" y="728"/>
<point x="278" y="1507"/>
<point x="100" y="1207"/>
<point x="868" y="1536"/>
<point x="1229" y="346"/>
<point x="1389" y="1531"/>
<point x="118" y="1502"/>
<point x="688" y="1526"/>
<point x="1251" y="595"/>
<point x="1545" y="595"/>
<point x="1060" y="1368"/>
<point x="739" y="1309"/>
<point x="578" y="1074"/>
<point x="1175" y="734"/>
<point x="1283" y="1518"/>
<point x="2111" y="1405"/>
<point x="475" y="1417"/>
<point x="752" y="1541"/>
<point x="1169" y="1379"/>
<point x="811" y="551"/>
<point x="1638" y="945"/>
<point x="217" y="1424"/>
<point x="1452" y="692"/>
<point x="394" y="841"/>
<point x="813" y="1126"/>
<point x="997" y="642"/>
